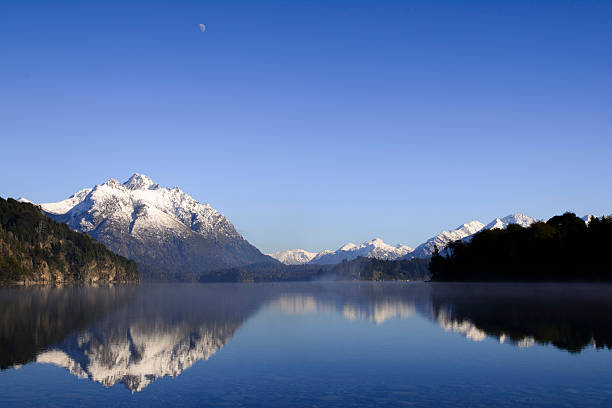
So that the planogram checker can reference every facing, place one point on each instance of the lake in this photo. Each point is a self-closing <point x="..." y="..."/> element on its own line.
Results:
<point x="317" y="344"/>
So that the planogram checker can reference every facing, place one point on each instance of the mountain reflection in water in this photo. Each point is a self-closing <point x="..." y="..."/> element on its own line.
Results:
<point x="163" y="331"/>
<point x="134" y="335"/>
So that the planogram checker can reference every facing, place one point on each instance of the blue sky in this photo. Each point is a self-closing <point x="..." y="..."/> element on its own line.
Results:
<point x="310" y="124"/>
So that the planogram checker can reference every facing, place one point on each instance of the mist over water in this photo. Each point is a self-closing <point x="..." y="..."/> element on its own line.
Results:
<point x="321" y="343"/>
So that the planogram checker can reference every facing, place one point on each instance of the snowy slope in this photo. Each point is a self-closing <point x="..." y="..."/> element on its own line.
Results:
<point x="502" y="223"/>
<point x="156" y="226"/>
<point x="426" y="249"/>
<point x="293" y="256"/>
<point x="466" y="231"/>
<point x="144" y="206"/>
<point x="375" y="248"/>
<point x="66" y="205"/>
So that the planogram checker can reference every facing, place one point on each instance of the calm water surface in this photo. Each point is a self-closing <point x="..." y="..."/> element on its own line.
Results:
<point x="307" y="344"/>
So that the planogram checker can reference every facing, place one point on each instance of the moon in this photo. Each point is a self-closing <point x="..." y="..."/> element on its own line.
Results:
<point x="202" y="27"/>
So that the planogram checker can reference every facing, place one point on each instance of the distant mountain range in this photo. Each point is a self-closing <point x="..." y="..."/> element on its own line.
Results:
<point x="294" y="256"/>
<point x="377" y="248"/>
<point x="465" y="232"/>
<point x="164" y="230"/>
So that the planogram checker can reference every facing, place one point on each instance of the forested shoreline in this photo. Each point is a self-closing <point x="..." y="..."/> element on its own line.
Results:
<point x="564" y="248"/>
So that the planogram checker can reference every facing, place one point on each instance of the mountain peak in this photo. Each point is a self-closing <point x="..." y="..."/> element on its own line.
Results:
<point x="348" y="247"/>
<point x="140" y="182"/>
<point x="112" y="182"/>
<point x="375" y="248"/>
<point x="293" y="256"/>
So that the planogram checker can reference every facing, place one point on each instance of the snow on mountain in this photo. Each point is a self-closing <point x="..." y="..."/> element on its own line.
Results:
<point x="23" y="200"/>
<point x="588" y="218"/>
<point x="375" y="248"/>
<point x="155" y="225"/>
<point x="293" y="256"/>
<point x="66" y="205"/>
<point x="144" y="206"/>
<point x="502" y="223"/>
<point x="466" y="231"/>
<point x="426" y="249"/>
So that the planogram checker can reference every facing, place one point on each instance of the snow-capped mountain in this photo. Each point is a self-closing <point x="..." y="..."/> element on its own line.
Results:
<point x="466" y="231"/>
<point x="375" y="248"/>
<point x="293" y="256"/>
<point x="502" y="223"/>
<point x="426" y="249"/>
<point x="163" y="229"/>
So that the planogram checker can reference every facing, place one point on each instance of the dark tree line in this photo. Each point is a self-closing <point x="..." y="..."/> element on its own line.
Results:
<point x="372" y="269"/>
<point x="564" y="248"/>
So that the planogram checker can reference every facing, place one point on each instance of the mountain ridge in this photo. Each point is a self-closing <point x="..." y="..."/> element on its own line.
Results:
<point x="293" y="256"/>
<point x="375" y="248"/>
